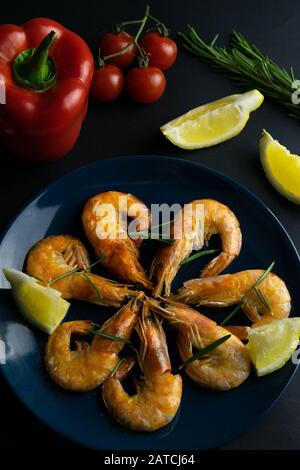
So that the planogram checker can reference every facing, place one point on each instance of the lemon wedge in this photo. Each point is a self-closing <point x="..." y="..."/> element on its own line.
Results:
<point x="42" y="306"/>
<point x="214" y="122"/>
<point x="272" y="345"/>
<point x="281" y="167"/>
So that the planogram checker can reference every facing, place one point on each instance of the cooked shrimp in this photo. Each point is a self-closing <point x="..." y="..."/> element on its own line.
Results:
<point x="231" y="289"/>
<point x="88" y="365"/>
<point x="57" y="255"/>
<point x="223" y="368"/>
<point x="158" y="393"/>
<point x="104" y="220"/>
<point x="216" y="219"/>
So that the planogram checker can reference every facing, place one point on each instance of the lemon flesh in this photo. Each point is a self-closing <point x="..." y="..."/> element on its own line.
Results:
<point x="42" y="306"/>
<point x="272" y="345"/>
<point x="214" y="122"/>
<point x="281" y="167"/>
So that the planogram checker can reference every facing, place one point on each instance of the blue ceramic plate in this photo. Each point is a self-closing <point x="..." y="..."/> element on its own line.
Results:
<point x="206" y="418"/>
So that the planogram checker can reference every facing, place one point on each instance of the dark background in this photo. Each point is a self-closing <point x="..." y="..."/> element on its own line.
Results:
<point x="125" y="128"/>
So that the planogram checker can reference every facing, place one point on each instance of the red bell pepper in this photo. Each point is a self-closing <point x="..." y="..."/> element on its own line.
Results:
<point x="47" y="71"/>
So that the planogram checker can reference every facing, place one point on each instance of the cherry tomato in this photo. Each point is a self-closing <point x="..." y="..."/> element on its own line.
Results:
<point x="145" y="85"/>
<point x="110" y="43"/>
<point x="107" y="83"/>
<point x="162" y="50"/>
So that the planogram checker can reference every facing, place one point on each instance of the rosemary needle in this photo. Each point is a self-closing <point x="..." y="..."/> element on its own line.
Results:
<point x="92" y="284"/>
<point x="108" y="336"/>
<point x="198" y="255"/>
<point x="262" y="277"/>
<point x="82" y="273"/>
<point x="117" y="366"/>
<point x="36" y="278"/>
<point x="258" y="292"/>
<point x="202" y="352"/>
<point x="231" y="314"/>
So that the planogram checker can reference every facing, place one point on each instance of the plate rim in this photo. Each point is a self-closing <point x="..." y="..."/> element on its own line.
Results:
<point x="191" y="163"/>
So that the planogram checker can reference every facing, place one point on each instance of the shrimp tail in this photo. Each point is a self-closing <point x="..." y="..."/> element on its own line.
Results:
<point x="217" y="265"/>
<point x="162" y="286"/>
<point x="252" y="312"/>
<point x="240" y="332"/>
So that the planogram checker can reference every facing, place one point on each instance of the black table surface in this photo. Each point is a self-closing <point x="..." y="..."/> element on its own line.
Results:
<point x="125" y="128"/>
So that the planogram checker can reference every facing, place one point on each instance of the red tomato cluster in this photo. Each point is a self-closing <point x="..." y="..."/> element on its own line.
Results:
<point x="144" y="84"/>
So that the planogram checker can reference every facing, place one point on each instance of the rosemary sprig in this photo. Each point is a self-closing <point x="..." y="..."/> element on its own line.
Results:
<point x="246" y="65"/>
<point x="198" y="255"/>
<point x="160" y="239"/>
<point x="262" y="277"/>
<point x="168" y="241"/>
<point x="117" y="366"/>
<point x="258" y="292"/>
<point x="231" y="314"/>
<point x="37" y="278"/>
<point x="61" y="276"/>
<point x="76" y="270"/>
<point x="202" y="352"/>
<point x="92" y="284"/>
<point x="163" y="224"/>
<point x="108" y="336"/>
<point x="154" y="236"/>
<point x="262" y="298"/>
<point x="101" y="257"/>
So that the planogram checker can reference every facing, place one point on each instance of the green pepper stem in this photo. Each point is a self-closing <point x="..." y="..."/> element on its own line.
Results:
<point x="34" y="68"/>
<point x="40" y="57"/>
